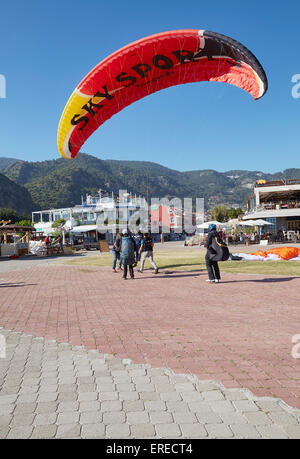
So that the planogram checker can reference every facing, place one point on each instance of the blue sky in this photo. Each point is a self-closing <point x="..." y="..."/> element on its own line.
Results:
<point x="46" y="48"/>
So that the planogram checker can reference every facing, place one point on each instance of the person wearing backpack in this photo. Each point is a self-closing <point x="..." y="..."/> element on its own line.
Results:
<point x="146" y="251"/>
<point x="116" y="250"/>
<point x="214" y="254"/>
<point x="128" y="248"/>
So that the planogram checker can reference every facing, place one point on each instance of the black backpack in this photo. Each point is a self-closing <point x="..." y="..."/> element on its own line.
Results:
<point x="220" y="249"/>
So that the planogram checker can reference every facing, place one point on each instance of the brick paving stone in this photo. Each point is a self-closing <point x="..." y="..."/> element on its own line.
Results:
<point x="44" y="419"/>
<point x="125" y="387"/>
<point x="23" y="419"/>
<point x="70" y="417"/>
<point x="293" y="431"/>
<point x="4" y="432"/>
<point x="68" y="431"/>
<point x="175" y="406"/>
<point x="234" y="418"/>
<point x="7" y="399"/>
<point x="185" y="417"/>
<point x="25" y="408"/>
<point x="67" y="406"/>
<point x="258" y="418"/>
<point x="91" y="406"/>
<point x="5" y="420"/>
<point x="271" y="431"/>
<point x="128" y="396"/>
<point x="222" y="406"/>
<point x="162" y="417"/>
<point x="48" y="397"/>
<point x="86" y="388"/>
<point x="212" y="395"/>
<point x="172" y="396"/>
<point x="149" y="396"/>
<point x="245" y="405"/>
<point x="245" y="431"/>
<point x="66" y="397"/>
<point x="26" y="398"/>
<point x="44" y="432"/>
<point x="93" y="431"/>
<point x="117" y="431"/>
<point x="209" y="418"/>
<point x="135" y="405"/>
<point x="46" y="407"/>
<point x="91" y="417"/>
<point x="87" y="396"/>
<point x="192" y="396"/>
<point x="106" y="387"/>
<point x="168" y="430"/>
<point x="145" y="387"/>
<point x="200" y="407"/>
<point x="108" y="396"/>
<point x="117" y="417"/>
<point x="283" y="418"/>
<point x="268" y="406"/>
<point x="155" y="405"/>
<point x="137" y="417"/>
<point x="142" y="430"/>
<point x="111" y="406"/>
<point x="219" y="431"/>
<point x="20" y="433"/>
<point x="193" y="430"/>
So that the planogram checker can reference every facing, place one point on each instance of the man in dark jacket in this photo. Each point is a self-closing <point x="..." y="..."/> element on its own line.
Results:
<point x="212" y="266"/>
<point x="146" y="251"/>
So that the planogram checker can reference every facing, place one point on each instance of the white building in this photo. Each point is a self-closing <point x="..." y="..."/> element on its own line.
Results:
<point x="277" y="202"/>
<point x="106" y="213"/>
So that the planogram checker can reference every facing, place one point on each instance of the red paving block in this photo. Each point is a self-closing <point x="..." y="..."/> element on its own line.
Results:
<point x="238" y="332"/>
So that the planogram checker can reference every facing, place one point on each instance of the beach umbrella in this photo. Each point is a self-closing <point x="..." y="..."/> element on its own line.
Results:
<point x="261" y="222"/>
<point x="206" y="224"/>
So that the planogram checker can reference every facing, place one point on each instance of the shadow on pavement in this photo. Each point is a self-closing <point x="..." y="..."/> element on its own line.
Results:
<point x="267" y="280"/>
<point x="5" y="285"/>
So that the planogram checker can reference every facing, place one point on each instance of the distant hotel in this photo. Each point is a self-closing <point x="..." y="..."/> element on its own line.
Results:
<point x="277" y="202"/>
<point x="106" y="214"/>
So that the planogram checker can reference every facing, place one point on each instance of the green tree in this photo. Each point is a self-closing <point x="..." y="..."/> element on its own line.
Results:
<point x="24" y="223"/>
<point x="58" y="223"/>
<point x="234" y="213"/>
<point x="219" y="213"/>
<point x="9" y="214"/>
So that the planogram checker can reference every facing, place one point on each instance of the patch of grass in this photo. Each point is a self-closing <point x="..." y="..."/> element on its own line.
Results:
<point x="179" y="260"/>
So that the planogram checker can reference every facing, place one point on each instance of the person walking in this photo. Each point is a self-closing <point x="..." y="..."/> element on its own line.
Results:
<point x="116" y="251"/>
<point x="146" y="251"/>
<point x="128" y="248"/>
<point x="212" y="266"/>
<point x="138" y="238"/>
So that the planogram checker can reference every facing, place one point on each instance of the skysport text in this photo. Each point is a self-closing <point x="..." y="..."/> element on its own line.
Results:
<point x="151" y="448"/>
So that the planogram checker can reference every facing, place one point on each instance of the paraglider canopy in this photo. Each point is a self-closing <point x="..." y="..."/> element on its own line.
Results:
<point x="149" y="65"/>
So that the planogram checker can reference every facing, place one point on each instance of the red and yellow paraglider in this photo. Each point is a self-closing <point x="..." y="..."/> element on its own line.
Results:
<point x="149" y="65"/>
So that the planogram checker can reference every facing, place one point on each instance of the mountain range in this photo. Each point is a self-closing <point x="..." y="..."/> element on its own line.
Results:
<point x="61" y="182"/>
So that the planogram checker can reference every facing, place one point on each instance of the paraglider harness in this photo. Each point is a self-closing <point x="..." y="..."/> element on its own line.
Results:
<point x="219" y="249"/>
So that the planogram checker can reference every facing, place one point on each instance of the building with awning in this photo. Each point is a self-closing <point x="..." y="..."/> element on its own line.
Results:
<point x="278" y="203"/>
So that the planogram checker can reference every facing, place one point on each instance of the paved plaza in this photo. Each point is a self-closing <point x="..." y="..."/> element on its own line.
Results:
<point x="165" y="356"/>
